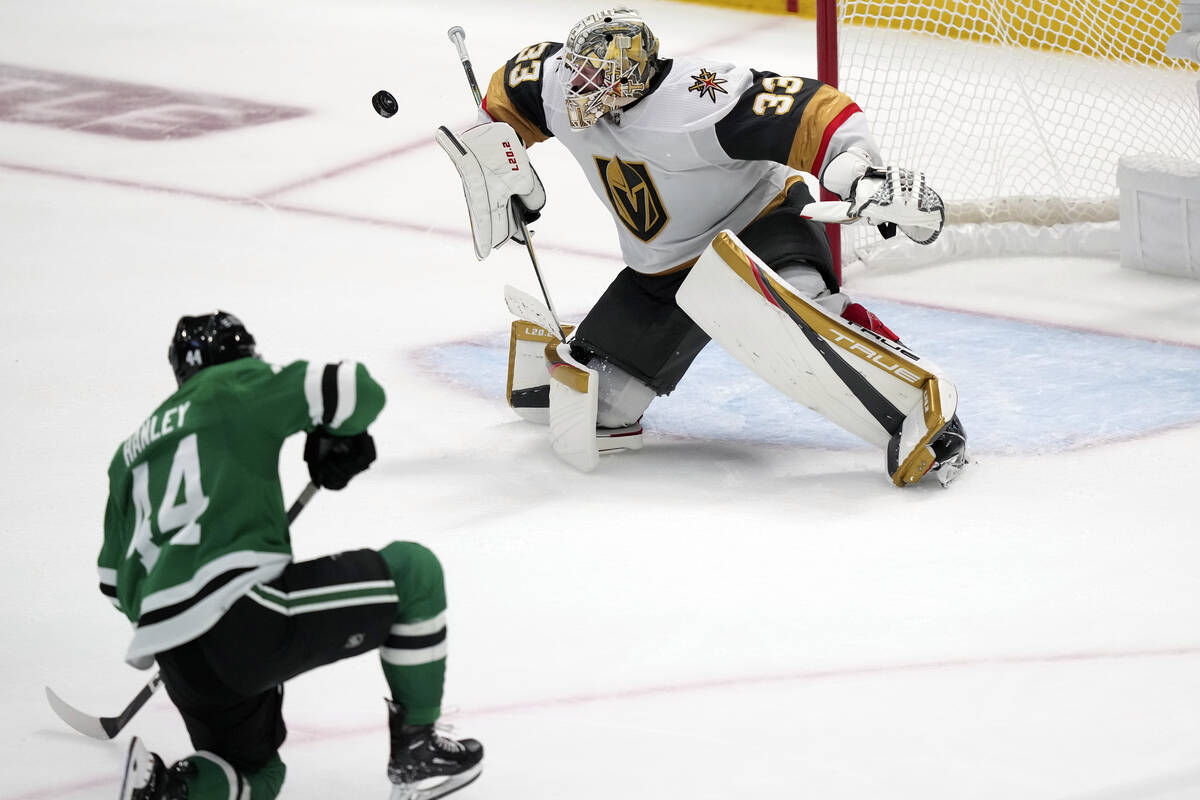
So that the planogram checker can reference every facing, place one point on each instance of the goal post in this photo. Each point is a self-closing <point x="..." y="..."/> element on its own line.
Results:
<point x="827" y="73"/>
<point x="1017" y="111"/>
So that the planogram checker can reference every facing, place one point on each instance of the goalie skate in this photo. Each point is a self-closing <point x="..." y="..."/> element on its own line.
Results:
<point x="610" y="440"/>
<point x="949" y="452"/>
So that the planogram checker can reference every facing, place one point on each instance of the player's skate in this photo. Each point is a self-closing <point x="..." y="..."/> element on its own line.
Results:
<point x="424" y="764"/>
<point x="147" y="778"/>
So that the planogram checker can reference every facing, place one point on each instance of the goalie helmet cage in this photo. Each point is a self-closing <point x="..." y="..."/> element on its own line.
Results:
<point x="1016" y="110"/>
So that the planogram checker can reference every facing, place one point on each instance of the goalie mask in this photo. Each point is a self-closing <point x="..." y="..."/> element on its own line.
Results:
<point x="607" y="62"/>
<point x="206" y="340"/>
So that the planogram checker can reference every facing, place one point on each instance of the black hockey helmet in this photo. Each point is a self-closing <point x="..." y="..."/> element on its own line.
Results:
<point x="206" y="340"/>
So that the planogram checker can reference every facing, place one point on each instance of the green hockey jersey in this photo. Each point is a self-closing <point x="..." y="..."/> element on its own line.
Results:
<point x="195" y="513"/>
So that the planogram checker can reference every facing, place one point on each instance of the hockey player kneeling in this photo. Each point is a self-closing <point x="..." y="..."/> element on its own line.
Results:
<point x="197" y="555"/>
<point x="679" y="151"/>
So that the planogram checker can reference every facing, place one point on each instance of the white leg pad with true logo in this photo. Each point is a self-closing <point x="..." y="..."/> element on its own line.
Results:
<point x="876" y="389"/>
<point x="574" y="390"/>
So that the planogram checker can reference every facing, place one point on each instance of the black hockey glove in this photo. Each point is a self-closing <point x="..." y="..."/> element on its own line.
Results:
<point x="334" y="460"/>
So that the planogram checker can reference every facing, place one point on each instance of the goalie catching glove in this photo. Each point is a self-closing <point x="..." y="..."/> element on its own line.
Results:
<point x="498" y="182"/>
<point x="881" y="195"/>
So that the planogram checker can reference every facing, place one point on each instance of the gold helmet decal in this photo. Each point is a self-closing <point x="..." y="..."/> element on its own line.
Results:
<point x="633" y="196"/>
<point x="607" y="62"/>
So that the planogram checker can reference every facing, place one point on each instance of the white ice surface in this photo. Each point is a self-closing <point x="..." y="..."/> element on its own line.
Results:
<point x="711" y="617"/>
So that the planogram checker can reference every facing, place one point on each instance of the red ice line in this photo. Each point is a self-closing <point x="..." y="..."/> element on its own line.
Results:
<point x="345" y="168"/>
<point x="299" y="735"/>
<point x="303" y="736"/>
<point x="260" y="199"/>
<point x="315" y="734"/>
<point x="259" y="202"/>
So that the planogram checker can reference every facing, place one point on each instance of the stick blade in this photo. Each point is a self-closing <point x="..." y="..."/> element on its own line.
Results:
<point x="525" y="306"/>
<point x="87" y="725"/>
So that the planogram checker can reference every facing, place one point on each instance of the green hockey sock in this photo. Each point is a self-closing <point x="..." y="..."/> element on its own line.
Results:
<point x="414" y="654"/>
<point x="213" y="778"/>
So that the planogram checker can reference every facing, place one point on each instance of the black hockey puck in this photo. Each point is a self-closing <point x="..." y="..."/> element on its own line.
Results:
<point x="385" y="104"/>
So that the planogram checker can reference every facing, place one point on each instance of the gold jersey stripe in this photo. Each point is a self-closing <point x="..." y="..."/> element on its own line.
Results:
<point x="777" y="201"/>
<point x="691" y="262"/>
<point x="501" y="109"/>
<point x="824" y="107"/>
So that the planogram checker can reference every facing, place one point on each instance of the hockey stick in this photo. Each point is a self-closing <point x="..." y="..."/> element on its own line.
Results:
<point x="105" y="728"/>
<point x="458" y="36"/>
<point x="527" y="307"/>
<point x="520" y="217"/>
<point x="102" y="727"/>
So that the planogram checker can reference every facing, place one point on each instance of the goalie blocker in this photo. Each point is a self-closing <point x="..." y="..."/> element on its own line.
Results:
<point x="876" y="389"/>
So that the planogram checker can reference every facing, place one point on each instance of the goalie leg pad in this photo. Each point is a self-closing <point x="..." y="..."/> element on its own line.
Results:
<point x="574" y="395"/>
<point x="873" y="387"/>
<point x="859" y="315"/>
<point x="795" y="247"/>
<point x="910" y="452"/>
<point x="528" y="389"/>
<point x="807" y="282"/>
<point x="574" y="389"/>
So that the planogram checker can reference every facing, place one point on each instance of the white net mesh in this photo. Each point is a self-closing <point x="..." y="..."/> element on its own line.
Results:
<point x="1018" y="110"/>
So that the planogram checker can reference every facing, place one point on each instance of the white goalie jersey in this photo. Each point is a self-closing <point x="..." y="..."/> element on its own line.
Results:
<point x="712" y="146"/>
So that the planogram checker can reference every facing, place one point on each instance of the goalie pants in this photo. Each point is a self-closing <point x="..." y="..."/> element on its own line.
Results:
<point x="228" y="683"/>
<point x="637" y="325"/>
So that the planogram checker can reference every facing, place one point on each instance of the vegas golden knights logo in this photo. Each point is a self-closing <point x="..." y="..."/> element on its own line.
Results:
<point x="633" y="196"/>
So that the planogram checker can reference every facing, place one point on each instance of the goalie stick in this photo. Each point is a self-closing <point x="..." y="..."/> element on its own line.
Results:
<point x="458" y="36"/>
<point x="105" y="728"/>
<point x="527" y="307"/>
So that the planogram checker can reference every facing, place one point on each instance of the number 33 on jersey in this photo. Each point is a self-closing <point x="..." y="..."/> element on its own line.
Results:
<point x="709" y="146"/>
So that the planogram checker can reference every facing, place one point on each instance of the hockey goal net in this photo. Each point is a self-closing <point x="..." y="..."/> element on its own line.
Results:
<point x="1017" y="111"/>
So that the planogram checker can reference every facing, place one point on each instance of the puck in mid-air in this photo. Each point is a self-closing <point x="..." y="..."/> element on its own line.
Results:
<point x="385" y="104"/>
